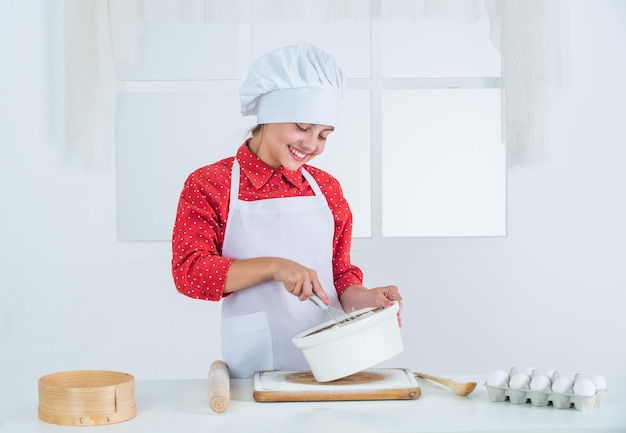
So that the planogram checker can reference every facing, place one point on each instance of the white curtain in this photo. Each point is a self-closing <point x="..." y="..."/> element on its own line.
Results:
<point x="527" y="33"/>
<point x="102" y="40"/>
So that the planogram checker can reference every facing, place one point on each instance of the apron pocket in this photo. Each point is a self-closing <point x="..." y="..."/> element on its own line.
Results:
<point x="247" y="344"/>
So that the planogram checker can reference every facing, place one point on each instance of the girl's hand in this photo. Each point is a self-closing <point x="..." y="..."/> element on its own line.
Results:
<point x="359" y="297"/>
<point x="298" y="280"/>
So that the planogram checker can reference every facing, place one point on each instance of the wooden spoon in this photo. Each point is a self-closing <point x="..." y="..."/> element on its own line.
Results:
<point x="461" y="389"/>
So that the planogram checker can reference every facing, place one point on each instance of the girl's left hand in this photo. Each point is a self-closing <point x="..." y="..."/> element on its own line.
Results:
<point x="358" y="297"/>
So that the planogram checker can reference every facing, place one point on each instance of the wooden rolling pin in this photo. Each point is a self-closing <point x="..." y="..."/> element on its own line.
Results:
<point x="219" y="386"/>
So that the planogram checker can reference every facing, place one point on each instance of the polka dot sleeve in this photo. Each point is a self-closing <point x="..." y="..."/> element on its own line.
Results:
<point x="198" y="268"/>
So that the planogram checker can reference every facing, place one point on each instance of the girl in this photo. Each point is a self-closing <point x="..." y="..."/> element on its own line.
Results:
<point x="263" y="230"/>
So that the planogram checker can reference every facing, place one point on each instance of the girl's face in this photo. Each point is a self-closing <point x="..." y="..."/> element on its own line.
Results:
<point x="289" y="144"/>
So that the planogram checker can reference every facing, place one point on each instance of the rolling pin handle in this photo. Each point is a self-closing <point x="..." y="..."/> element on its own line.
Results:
<point x="219" y="386"/>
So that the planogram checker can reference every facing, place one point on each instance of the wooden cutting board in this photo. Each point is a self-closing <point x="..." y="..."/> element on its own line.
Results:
<point x="374" y="384"/>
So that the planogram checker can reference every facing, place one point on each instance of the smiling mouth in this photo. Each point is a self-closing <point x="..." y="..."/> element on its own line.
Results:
<point x="297" y="153"/>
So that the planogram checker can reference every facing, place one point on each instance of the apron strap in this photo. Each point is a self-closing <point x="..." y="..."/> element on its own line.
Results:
<point x="314" y="185"/>
<point x="234" y="184"/>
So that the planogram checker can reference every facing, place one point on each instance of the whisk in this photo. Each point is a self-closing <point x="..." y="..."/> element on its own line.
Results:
<point x="338" y="316"/>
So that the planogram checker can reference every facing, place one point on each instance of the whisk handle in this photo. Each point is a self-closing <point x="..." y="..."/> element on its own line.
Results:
<point x="317" y="301"/>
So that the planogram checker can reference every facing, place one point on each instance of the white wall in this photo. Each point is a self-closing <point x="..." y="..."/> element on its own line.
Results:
<point x="549" y="295"/>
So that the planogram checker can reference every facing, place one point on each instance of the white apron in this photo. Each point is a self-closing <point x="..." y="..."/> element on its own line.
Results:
<point x="258" y="322"/>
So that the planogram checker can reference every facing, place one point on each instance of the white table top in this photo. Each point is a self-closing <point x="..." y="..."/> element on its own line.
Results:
<point x="182" y="406"/>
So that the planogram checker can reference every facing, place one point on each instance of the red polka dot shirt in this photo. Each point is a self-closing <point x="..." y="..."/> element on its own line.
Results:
<point x="198" y="267"/>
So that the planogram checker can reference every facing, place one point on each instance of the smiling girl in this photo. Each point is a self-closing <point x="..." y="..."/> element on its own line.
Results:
<point x="263" y="230"/>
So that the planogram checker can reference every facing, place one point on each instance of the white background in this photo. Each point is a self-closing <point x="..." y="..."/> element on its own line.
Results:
<point x="550" y="294"/>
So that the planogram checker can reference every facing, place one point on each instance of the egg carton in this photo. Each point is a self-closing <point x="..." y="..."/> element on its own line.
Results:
<point x="543" y="398"/>
<point x="519" y="394"/>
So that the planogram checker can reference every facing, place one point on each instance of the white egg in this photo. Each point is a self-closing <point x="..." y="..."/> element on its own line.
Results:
<point x="562" y="385"/>
<point x="498" y="378"/>
<point x="529" y="371"/>
<point x="540" y="382"/>
<point x="519" y="381"/>
<point x="584" y="387"/>
<point x="599" y="382"/>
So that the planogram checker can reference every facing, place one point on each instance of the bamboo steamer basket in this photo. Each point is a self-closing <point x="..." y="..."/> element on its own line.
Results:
<point x="86" y="397"/>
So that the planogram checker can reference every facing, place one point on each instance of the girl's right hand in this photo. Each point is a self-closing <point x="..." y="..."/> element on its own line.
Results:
<point x="298" y="280"/>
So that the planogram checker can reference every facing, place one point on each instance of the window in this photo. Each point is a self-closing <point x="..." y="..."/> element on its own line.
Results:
<point x="418" y="150"/>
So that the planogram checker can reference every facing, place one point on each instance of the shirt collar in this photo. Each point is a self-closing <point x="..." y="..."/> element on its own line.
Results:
<point x="259" y="173"/>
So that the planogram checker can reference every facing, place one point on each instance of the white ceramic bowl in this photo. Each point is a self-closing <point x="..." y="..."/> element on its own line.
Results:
<point x="334" y="352"/>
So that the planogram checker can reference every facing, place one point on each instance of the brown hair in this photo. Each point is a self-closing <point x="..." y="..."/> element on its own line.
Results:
<point x="255" y="130"/>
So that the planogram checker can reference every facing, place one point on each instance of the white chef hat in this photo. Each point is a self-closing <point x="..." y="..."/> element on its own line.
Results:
<point x="297" y="83"/>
